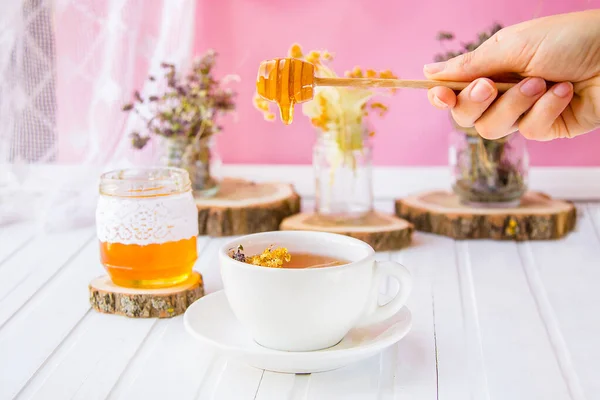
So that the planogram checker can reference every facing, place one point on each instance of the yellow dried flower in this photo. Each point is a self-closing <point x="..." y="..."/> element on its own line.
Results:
<point x="327" y="55"/>
<point x="325" y="113"/>
<point x="371" y="73"/>
<point x="379" y="106"/>
<point x="387" y="74"/>
<point x="295" y="51"/>
<point x="355" y="73"/>
<point x="511" y="228"/>
<point x="272" y="258"/>
<point x="262" y="105"/>
<point x="314" y="57"/>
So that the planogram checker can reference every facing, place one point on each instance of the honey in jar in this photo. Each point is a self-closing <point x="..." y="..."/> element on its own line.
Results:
<point x="287" y="82"/>
<point x="147" y="224"/>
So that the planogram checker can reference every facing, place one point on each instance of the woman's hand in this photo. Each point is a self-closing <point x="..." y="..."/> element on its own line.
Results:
<point x="564" y="49"/>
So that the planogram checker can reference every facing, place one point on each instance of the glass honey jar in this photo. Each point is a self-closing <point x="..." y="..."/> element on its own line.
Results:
<point x="147" y="224"/>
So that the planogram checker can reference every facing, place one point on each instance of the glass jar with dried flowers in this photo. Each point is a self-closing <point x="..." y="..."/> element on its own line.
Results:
<point x="343" y="173"/>
<point x="486" y="173"/>
<point x="342" y="154"/>
<point x="185" y="117"/>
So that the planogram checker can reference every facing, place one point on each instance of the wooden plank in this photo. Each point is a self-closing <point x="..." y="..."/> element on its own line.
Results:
<point x="13" y="237"/>
<point x="234" y="381"/>
<point x="33" y="334"/>
<point x="38" y="262"/>
<point x="564" y="282"/>
<point x="88" y="363"/>
<point x="90" y="360"/>
<point x="137" y="364"/>
<point x="408" y="370"/>
<point x="437" y="253"/>
<point x="110" y="359"/>
<point x="507" y="339"/>
<point x="275" y="386"/>
<point x="170" y="364"/>
<point x="355" y="381"/>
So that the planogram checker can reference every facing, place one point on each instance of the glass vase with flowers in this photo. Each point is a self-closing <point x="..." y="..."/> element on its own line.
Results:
<point x="185" y="116"/>
<point x="342" y="154"/>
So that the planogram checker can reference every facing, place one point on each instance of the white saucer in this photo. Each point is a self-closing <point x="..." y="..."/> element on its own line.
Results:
<point x="211" y="320"/>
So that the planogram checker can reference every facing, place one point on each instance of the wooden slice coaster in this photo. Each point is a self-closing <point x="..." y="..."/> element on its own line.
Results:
<point x="108" y="298"/>
<point x="383" y="232"/>
<point x="242" y="207"/>
<point x="538" y="217"/>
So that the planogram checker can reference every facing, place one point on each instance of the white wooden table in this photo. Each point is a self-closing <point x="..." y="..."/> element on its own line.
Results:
<point x="492" y="320"/>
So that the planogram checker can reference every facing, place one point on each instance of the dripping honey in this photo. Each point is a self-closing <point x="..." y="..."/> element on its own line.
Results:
<point x="287" y="82"/>
<point x="149" y="266"/>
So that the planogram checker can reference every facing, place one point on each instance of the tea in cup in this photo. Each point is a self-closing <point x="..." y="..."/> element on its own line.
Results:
<point x="305" y="290"/>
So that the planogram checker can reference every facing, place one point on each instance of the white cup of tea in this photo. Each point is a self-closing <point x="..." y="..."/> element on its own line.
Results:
<point x="307" y="309"/>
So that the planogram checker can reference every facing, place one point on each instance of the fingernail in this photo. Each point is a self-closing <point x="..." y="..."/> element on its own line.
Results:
<point x="435" y="67"/>
<point x="533" y="86"/>
<point x="439" y="103"/>
<point x="563" y="89"/>
<point x="481" y="91"/>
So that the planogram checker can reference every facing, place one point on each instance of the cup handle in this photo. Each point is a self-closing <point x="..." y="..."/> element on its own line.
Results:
<point x="376" y="313"/>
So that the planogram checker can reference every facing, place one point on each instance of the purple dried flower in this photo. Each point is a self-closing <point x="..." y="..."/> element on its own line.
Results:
<point x="445" y="36"/>
<point x="238" y="255"/>
<point x="189" y="105"/>
<point x="139" y="141"/>
<point x="481" y="38"/>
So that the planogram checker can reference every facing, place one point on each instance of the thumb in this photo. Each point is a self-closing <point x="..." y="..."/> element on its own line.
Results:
<point x="499" y="55"/>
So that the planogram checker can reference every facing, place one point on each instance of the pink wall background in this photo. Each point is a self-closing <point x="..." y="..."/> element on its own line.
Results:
<point x="399" y="35"/>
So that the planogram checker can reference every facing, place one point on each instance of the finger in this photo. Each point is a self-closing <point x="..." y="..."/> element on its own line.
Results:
<point x="441" y="97"/>
<point x="498" y="120"/>
<point x="473" y="101"/>
<point x="505" y="52"/>
<point x="542" y="122"/>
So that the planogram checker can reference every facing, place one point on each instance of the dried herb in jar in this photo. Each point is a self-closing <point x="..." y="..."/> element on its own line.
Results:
<point x="487" y="171"/>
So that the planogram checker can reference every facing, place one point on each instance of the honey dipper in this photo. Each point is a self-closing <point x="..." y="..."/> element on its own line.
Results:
<point x="288" y="81"/>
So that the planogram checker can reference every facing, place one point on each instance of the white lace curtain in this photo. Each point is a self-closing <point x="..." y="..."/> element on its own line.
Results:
<point x="66" y="68"/>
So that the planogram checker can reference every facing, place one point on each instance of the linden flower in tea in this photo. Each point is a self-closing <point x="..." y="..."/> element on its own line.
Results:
<point x="271" y="258"/>
<point x="281" y="258"/>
